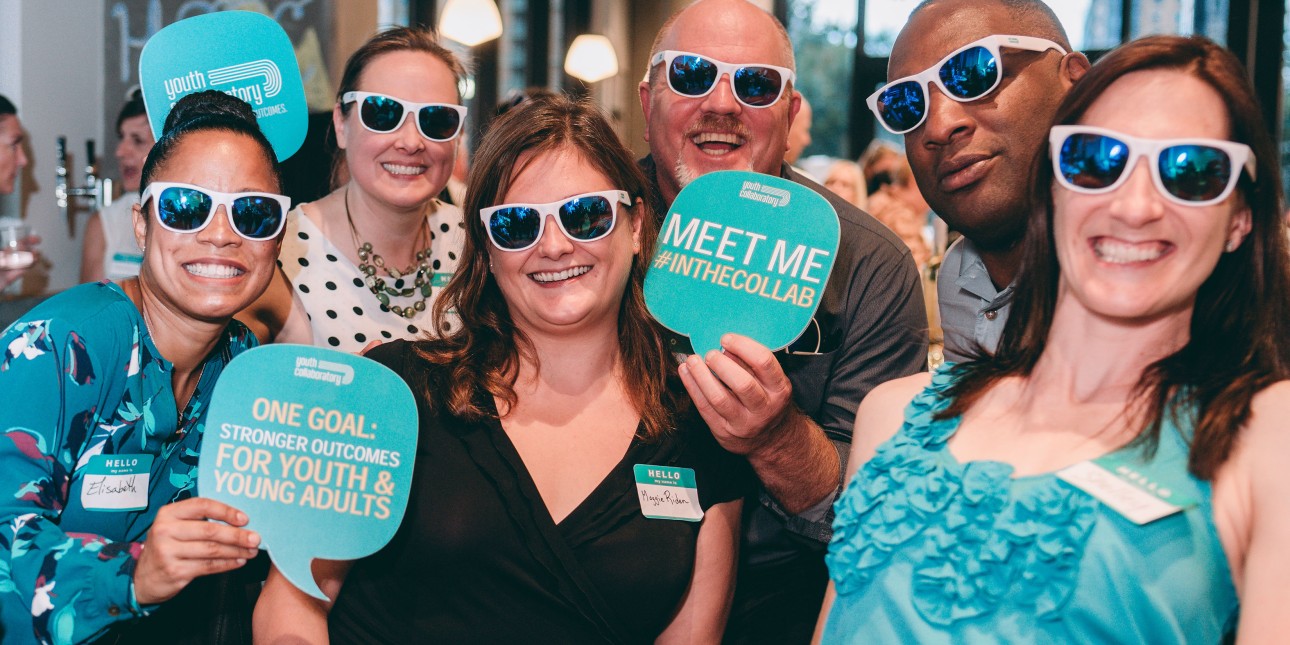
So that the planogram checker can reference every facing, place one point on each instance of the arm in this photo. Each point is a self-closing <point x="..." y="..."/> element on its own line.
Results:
<point x="285" y="615"/>
<point x="703" y="612"/>
<point x="877" y="420"/>
<point x="746" y="400"/>
<point x="93" y="249"/>
<point x="1260" y="460"/>
<point x="71" y="581"/>
<point x="277" y="316"/>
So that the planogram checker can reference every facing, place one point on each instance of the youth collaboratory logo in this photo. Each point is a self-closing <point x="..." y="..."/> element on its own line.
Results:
<point x="265" y="82"/>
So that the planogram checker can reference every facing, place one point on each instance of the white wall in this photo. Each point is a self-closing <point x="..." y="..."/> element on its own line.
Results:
<point x="51" y="65"/>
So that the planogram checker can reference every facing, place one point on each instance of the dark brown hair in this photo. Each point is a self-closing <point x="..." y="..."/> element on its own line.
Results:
<point x="484" y="352"/>
<point x="394" y="39"/>
<point x="1236" y="345"/>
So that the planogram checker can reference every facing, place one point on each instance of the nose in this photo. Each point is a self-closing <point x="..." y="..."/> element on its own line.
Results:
<point x="947" y="119"/>
<point x="22" y="157"/>
<point x="553" y="243"/>
<point x="410" y="138"/>
<point x="120" y="151"/>
<point x="721" y="100"/>
<point x="219" y="232"/>
<point x="1137" y="202"/>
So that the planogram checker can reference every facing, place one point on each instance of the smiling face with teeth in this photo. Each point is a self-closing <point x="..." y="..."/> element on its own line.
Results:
<point x="402" y="169"/>
<point x="562" y="286"/>
<point x="1132" y="253"/>
<point x="692" y="136"/>
<point x="213" y="273"/>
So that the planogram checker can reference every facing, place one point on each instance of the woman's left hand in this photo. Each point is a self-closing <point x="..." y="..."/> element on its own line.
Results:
<point x="184" y="544"/>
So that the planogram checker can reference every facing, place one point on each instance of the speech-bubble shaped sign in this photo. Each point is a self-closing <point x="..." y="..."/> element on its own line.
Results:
<point x="316" y="447"/>
<point x="742" y="252"/>
<point x="241" y="53"/>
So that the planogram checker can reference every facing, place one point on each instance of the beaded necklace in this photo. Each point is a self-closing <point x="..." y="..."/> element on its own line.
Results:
<point x="419" y="271"/>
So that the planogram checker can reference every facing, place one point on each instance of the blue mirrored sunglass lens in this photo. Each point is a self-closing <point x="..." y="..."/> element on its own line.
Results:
<point x="691" y="75"/>
<point x="1092" y="160"/>
<point x="380" y="113"/>
<point x="183" y="209"/>
<point x="515" y="227"/>
<point x="587" y="218"/>
<point x="438" y="122"/>
<point x="970" y="73"/>
<point x="903" y="105"/>
<point x="257" y="217"/>
<point x="759" y="86"/>
<point x="1195" y="173"/>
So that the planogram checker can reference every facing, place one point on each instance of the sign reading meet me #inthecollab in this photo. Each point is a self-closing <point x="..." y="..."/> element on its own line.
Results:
<point x="316" y="446"/>
<point x="742" y="252"/>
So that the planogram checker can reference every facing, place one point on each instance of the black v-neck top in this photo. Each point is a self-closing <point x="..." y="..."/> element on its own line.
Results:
<point x="478" y="558"/>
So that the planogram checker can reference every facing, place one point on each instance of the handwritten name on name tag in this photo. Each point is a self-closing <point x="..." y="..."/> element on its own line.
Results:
<point x="668" y="493"/>
<point x="1136" y="503"/>
<point x="116" y="482"/>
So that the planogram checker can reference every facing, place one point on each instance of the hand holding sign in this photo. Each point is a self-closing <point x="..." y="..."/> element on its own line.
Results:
<point x="316" y="447"/>
<point x="742" y="252"/>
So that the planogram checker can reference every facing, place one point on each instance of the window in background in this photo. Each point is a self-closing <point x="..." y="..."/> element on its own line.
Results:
<point x="1285" y="99"/>
<point x="824" y="41"/>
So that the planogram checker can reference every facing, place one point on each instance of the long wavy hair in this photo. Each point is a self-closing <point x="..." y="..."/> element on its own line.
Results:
<point x="483" y="354"/>
<point x="1237" y="344"/>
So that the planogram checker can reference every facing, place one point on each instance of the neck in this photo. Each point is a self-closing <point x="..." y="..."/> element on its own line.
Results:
<point x="1002" y="264"/>
<point x="395" y="234"/>
<point x="571" y="361"/>
<point x="182" y="340"/>
<point x="1090" y="357"/>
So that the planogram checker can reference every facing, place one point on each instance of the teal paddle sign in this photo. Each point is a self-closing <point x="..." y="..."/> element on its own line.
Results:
<point x="316" y="447"/>
<point x="241" y="53"/>
<point x="745" y="253"/>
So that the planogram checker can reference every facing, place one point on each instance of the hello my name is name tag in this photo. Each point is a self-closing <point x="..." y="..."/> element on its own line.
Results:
<point x="1127" y="487"/>
<point x="668" y="493"/>
<point x="116" y="482"/>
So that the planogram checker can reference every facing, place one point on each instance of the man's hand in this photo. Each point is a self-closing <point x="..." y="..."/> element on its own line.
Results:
<point x="747" y="401"/>
<point x="182" y="544"/>
<point x="742" y="393"/>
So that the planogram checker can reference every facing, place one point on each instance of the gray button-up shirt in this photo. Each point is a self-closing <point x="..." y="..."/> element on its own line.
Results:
<point x="973" y="311"/>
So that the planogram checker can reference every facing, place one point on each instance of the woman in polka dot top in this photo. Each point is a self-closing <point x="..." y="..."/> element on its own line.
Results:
<point x="366" y="262"/>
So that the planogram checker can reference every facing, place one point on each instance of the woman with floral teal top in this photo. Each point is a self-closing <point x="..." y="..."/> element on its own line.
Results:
<point x="104" y="391"/>
<point x="1117" y="471"/>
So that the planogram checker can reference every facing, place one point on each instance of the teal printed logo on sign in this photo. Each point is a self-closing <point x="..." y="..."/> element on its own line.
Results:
<point x="241" y="53"/>
<point x="742" y="252"/>
<point x="667" y="493"/>
<point x="316" y="447"/>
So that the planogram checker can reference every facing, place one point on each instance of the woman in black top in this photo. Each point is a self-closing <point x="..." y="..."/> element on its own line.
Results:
<point x="540" y="417"/>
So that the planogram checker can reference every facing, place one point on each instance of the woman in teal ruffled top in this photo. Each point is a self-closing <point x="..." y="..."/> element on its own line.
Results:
<point x="104" y="391"/>
<point x="1117" y="471"/>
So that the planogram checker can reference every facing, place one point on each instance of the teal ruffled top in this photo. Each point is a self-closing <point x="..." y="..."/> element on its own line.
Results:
<point x="929" y="550"/>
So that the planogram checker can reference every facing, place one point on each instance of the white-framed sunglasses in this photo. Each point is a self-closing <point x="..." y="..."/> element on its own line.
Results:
<point x="382" y="113"/>
<point x="966" y="74"/>
<point x="583" y="218"/>
<point x="1187" y="171"/>
<point x="755" y="85"/>
<point x="186" y="208"/>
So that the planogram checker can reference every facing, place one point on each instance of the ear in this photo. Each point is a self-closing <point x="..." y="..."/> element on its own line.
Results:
<point x="794" y="106"/>
<point x="643" y="89"/>
<point x="338" y="123"/>
<point x="140" y="225"/>
<point x="1238" y="228"/>
<point x="637" y="212"/>
<point x="1074" y="66"/>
